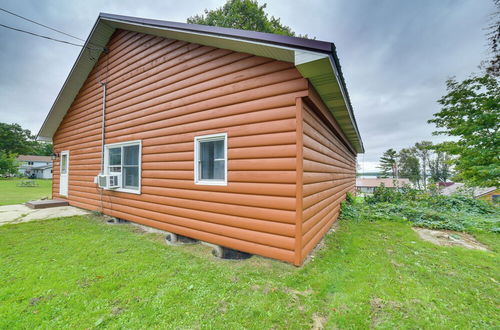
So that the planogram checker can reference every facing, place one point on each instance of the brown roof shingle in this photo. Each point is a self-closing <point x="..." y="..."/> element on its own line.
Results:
<point x="34" y="158"/>
<point x="376" y="182"/>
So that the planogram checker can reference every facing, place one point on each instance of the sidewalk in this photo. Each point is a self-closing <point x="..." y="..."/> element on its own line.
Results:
<point x="21" y="213"/>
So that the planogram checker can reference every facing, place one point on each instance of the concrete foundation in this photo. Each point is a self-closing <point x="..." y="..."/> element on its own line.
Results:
<point x="116" y="221"/>
<point x="176" y="239"/>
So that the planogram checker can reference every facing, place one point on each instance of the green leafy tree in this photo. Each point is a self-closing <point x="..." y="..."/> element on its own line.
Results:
<point x="423" y="151"/>
<point x="388" y="163"/>
<point x="42" y="149"/>
<point x="493" y="65"/>
<point x="245" y="15"/>
<point x="471" y="113"/>
<point x="409" y="165"/>
<point x="439" y="166"/>
<point x="16" y="140"/>
<point x="8" y="163"/>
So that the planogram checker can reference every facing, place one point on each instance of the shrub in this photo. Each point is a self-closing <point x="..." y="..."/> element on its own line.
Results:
<point x="425" y="209"/>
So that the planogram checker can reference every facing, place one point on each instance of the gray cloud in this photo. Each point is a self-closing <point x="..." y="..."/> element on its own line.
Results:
<point x="395" y="55"/>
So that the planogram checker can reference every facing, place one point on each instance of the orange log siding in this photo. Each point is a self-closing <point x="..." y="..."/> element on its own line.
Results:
<point x="166" y="92"/>
<point x="328" y="174"/>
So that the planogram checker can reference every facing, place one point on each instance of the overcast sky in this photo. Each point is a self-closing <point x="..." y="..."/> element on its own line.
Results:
<point x="396" y="55"/>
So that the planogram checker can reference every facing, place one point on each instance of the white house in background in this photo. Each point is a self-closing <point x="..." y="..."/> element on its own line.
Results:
<point x="39" y="167"/>
<point x="367" y="185"/>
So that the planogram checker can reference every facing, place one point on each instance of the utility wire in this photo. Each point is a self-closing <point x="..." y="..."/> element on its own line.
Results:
<point x="45" y="26"/>
<point x="48" y="27"/>
<point x="41" y="36"/>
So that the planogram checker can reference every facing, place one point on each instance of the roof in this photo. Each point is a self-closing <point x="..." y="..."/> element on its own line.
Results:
<point x="458" y="187"/>
<point x="376" y="182"/>
<point x="42" y="167"/>
<point x="316" y="60"/>
<point x="34" y="158"/>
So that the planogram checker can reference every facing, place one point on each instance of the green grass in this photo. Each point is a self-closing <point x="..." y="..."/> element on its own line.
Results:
<point x="368" y="274"/>
<point x="10" y="193"/>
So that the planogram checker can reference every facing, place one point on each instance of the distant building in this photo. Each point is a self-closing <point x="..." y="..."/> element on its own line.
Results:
<point x="367" y="185"/>
<point x="487" y="194"/>
<point x="39" y="167"/>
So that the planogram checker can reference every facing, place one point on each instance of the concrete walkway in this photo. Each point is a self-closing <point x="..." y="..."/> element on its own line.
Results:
<point x="21" y="213"/>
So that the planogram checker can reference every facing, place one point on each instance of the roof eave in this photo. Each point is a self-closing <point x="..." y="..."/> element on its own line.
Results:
<point x="316" y="60"/>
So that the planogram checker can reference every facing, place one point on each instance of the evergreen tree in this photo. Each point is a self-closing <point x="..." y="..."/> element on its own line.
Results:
<point x="388" y="163"/>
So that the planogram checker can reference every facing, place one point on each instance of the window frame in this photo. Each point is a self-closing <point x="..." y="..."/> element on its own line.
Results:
<point x="197" y="149"/>
<point x="106" y="164"/>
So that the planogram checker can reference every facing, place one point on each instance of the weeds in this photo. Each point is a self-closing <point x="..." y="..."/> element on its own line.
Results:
<point x="425" y="209"/>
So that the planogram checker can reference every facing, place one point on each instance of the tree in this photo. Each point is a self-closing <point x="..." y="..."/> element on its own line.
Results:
<point x="388" y="163"/>
<point x="439" y="167"/>
<point x="42" y="149"/>
<point x="16" y="140"/>
<point x="471" y="113"/>
<point x="245" y="15"/>
<point x="493" y="66"/>
<point x="8" y="163"/>
<point x="423" y="151"/>
<point x="409" y="165"/>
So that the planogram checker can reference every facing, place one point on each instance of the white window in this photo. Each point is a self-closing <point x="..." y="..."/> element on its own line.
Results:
<point x="124" y="160"/>
<point x="210" y="159"/>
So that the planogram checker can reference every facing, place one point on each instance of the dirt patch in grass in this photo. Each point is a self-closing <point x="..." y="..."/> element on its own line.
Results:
<point x="450" y="238"/>
<point x="318" y="321"/>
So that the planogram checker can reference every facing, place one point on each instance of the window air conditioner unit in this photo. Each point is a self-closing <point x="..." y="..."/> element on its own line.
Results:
<point x="107" y="181"/>
<point x="114" y="181"/>
<point x="102" y="181"/>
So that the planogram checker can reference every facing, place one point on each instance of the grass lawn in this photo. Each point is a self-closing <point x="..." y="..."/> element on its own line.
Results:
<point x="368" y="274"/>
<point x="10" y="193"/>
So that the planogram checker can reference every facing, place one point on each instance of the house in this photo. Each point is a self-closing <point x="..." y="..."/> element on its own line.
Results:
<point x="39" y="167"/>
<point x="490" y="194"/>
<point x="367" y="185"/>
<point x="242" y="139"/>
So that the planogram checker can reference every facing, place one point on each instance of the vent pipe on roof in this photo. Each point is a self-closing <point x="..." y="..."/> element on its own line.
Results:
<point x="102" y="124"/>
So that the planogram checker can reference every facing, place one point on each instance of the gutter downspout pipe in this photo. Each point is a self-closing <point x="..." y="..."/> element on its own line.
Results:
<point x="103" y="84"/>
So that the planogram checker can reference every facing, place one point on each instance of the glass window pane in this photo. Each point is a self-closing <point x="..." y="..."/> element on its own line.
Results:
<point x="64" y="164"/>
<point x="131" y="177"/>
<point x="219" y="170"/>
<point x="210" y="168"/>
<point x="131" y="155"/>
<point x="115" y="156"/>
<point x="115" y="169"/>
<point x="219" y="149"/>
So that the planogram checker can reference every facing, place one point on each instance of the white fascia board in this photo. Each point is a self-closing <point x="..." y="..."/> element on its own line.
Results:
<point x="303" y="57"/>
<point x="280" y="53"/>
<point x="323" y="75"/>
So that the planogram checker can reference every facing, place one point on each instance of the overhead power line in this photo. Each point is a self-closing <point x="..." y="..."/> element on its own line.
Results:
<point x="50" y="28"/>
<point x="41" y="36"/>
<point x="45" y="26"/>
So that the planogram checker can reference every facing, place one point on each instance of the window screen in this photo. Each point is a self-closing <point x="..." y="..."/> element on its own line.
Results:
<point x="211" y="159"/>
<point x="131" y="166"/>
<point x="124" y="159"/>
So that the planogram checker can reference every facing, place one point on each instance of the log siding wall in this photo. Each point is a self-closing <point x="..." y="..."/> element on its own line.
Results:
<point x="164" y="93"/>
<point x="329" y="172"/>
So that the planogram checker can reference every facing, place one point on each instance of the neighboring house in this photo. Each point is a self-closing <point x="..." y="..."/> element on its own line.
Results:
<point x="487" y="194"/>
<point x="367" y="185"/>
<point x="242" y="139"/>
<point x="39" y="167"/>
